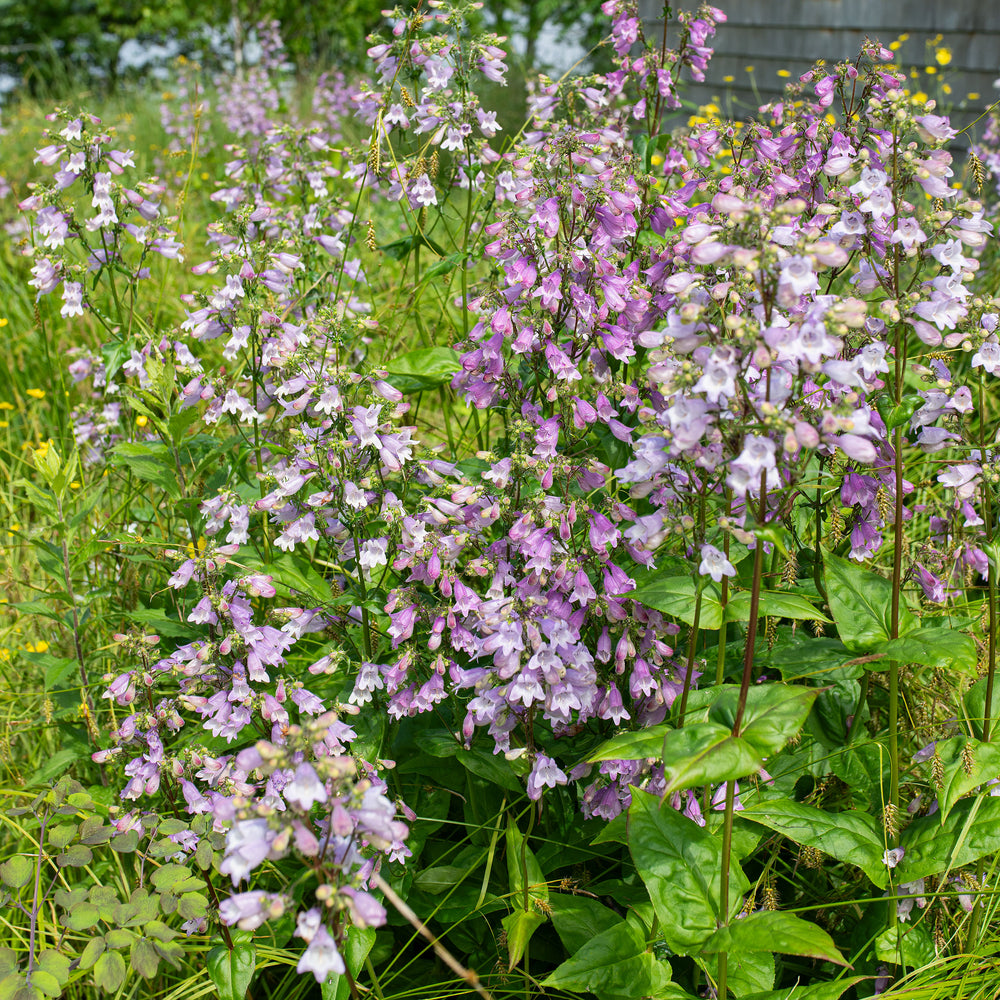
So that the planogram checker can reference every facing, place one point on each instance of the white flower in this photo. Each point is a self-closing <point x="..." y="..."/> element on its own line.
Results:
<point x="715" y="564"/>
<point x="321" y="957"/>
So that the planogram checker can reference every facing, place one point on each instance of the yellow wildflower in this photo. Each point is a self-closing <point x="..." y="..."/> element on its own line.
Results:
<point x="36" y="393"/>
<point x="943" y="56"/>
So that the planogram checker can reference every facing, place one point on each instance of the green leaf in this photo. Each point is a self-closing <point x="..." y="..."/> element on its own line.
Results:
<point x="55" y="963"/>
<point x="445" y="266"/>
<point x="577" y="919"/>
<point x="852" y="837"/>
<point x="519" y="926"/>
<point x="17" y="872"/>
<point x="232" y="971"/>
<point x="192" y="906"/>
<point x="774" y="714"/>
<point x="971" y="831"/>
<point x="426" y="368"/>
<point x="521" y="864"/>
<point x="76" y="856"/>
<point x="119" y="937"/>
<point x="109" y="971"/>
<point x="679" y="863"/>
<point x="93" y="951"/>
<point x="401" y="248"/>
<point x="176" y="879"/>
<point x="861" y="602"/>
<point x="674" y="595"/>
<point x="82" y="917"/>
<point x="911" y="942"/>
<point x="613" y="964"/>
<point x="149" y="461"/>
<point x="143" y="958"/>
<point x="934" y="647"/>
<point x="775" y="931"/>
<point x="966" y="764"/>
<point x="819" y="991"/>
<point x="12" y="987"/>
<point x="774" y="603"/>
<point x="975" y="706"/>
<point x="440" y="878"/>
<point x="59" y="836"/>
<point x="633" y="746"/>
<point x="125" y="843"/>
<point x="357" y="944"/>
<point x="46" y="983"/>
<point x="705" y="753"/>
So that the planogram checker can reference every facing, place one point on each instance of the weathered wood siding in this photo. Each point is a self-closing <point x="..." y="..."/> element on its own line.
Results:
<point x="772" y="35"/>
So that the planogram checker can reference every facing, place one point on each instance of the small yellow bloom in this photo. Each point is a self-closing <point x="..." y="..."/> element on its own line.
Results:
<point x="973" y="95"/>
<point x="10" y="406"/>
<point x="946" y="88"/>
<point x="920" y="97"/>
<point x="943" y="56"/>
<point x="656" y="159"/>
<point x="905" y="36"/>
<point x="894" y="46"/>
<point x="3" y="322"/>
<point x="930" y="70"/>
<point x="728" y="79"/>
<point x="4" y="423"/>
<point x="749" y="69"/>
<point x="141" y="421"/>
<point x="204" y="175"/>
<point x="784" y="73"/>
<point x="36" y="393"/>
<point x="74" y="486"/>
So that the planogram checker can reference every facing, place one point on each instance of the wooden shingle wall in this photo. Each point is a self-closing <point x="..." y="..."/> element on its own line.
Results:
<point x="773" y="35"/>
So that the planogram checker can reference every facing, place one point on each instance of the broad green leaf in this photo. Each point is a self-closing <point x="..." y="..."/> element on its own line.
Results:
<point x="426" y="368"/>
<point x="613" y="964"/>
<point x="934" y="647"/>
<point x="675" y="596"/>
<point x="980" y="763"/>
<point x="975" y="706"/>
<point x="75" y="856"/>
<point x="749" y="972"/>
<point x="59" y="836"/>
<point x="231" y="971"/>
<point x="93" y="951"/>
<point x="55" y="963"/>
<point x="523" y="868"/>
<point x="910" y="942"/>
<point x="119" y="937"/>
<point x="577" y="919"/>
<point x="971" y="831"/>
<point x="819" y="991"/>
<point x="150" y="462"/>
<point x="176" y="879"/>
<point x="865" y="769"/>
<point x="358" y="942"/>
<point x="192" y="906"/>
<point x="775" y="931"/>
<point x="125" y="843"/>
<point x="774" y="603"/>
<point x="705" y="753"/>
<point x="12" y="987"/>
<point x="17" y="872"/>
<point x="519" y="926"/>
<point x="861" y="602"/>
<point x="143" y="959"/>
<point x="46" y="983"/>
<point x="633" y="746"/>
<point x="679" y="863"/>
<point x="852" y="837"/>
<point x="82" y="917"/>
<point x="773" y="714"/>
<point x="109" y="971"/>
<point x="8" y="961"/>
<point x="440" y="878"/>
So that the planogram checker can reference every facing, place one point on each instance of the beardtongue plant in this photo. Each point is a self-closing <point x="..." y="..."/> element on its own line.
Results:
<point x="713" y="391"/>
